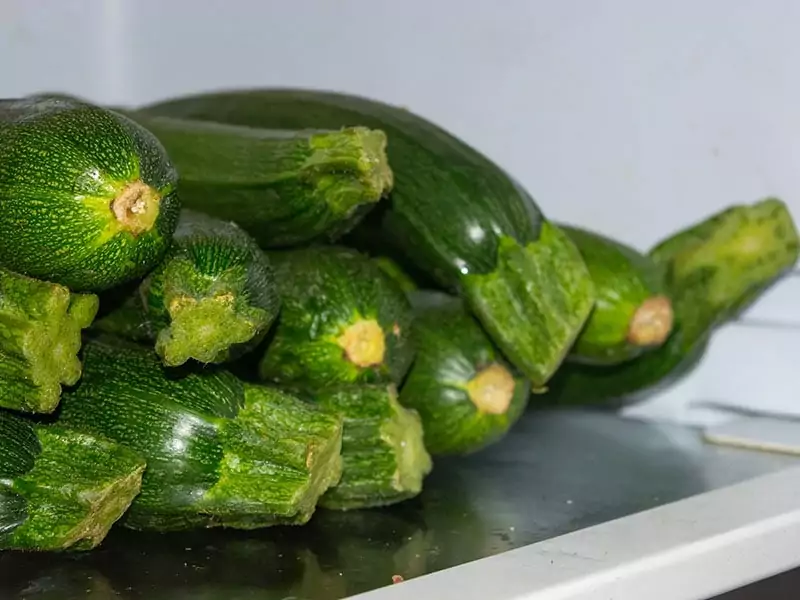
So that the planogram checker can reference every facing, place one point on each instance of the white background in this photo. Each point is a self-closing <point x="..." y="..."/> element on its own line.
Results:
<point x="635" y="117"/>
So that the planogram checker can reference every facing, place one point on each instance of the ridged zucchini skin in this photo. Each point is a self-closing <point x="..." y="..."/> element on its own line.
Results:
<point x="220" y="452"/>
<point x="466" y="394"/>
<point x="384" y="460"/>
<point x="87" y="197"/>
<point x="40" y="336"/>
<point x="212" y="299"/>
<point x="342" y="321"/>
<point x="632" y="314"/>
<point x="283" y="187"/>
<point x="714" y="269"/>
<point x="458" y="216"/>
<point x="59" y="488"/>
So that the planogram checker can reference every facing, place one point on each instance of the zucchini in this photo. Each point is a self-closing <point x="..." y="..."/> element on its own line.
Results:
<point x="713" y="269"/>
<point x="384" y="459"/>
<point x="459" y="217"/>
<point x="631" y="313"/>
<point x="61" y="488"/>
<point x="88" y="197"/>
<point x="40" y="336"/>
<point x="220" y="452"/>
<point x="396" y="272"/>
<point x="283" y="187"/>
<point x="465" y="393"/>
<point x="213" y="298"/>
<point x="342" y="321"/>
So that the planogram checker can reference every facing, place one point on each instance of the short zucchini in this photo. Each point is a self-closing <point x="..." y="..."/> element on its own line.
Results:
<point x="87" y="197"/>
<point x="631" y="313"/>
<point x="466" y="394"/>
<point x="458" y="216"/>
<point x="384" y="460"/>
<point x="220" y="452"/>
<point x="212" y="298"/>
<point x="713" y="270"/>
<point x="61" y="489"/>
<point x="283" y="187"/>
<point x="342" y="321"/>
<point x="40" y="336"/>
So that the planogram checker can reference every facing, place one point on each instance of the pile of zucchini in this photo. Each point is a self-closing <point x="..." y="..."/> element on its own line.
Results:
<point x="229" y="309"/>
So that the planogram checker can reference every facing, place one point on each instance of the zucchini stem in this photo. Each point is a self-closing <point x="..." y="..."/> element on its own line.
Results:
<point x="363" y="343"/>
<point x="652" y="322"/>
<point x="492" y="389"/>
<point x="136" y="207"/>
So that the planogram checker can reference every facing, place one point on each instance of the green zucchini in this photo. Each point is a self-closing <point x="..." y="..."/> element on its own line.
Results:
<point x="220" y="452"/>
<point x="459" y="217"/>
<point x="283" y="187"/>
<point x="632" y="313"/>
<point x="212" y="298"/>
<point x="61" y="488"/>
<point x="40" y="336"/>
<point x="88" y="197"/>
<point x="384" y="460"/>
<point x="390" y="267"/>
<point x="465" y="393"/>
<point x="713" y="269"/>
<point x="342" y="321"/>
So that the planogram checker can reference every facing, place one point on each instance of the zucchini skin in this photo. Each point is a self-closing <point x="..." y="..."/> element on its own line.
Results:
<point x="212" y="299"/>
<point x="462" y="388"/>
<point x="383" y="454"/>
<point x="220" y="452"/>
<point x="40" y="336"/>
<point x="87" y="196"/>
<point x="59" y="488"/>
<point x="632" y="314"/>
<point x="456" y="215"/>
<point x="714" y="269"/>
<point x="284" y="187"/>
<point x="342" y="321"/>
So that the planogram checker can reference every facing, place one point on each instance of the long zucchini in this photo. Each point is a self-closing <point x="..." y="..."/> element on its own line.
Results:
<point x="87" y="196"/>
<point x="40" y="336"/>
<point x="631" y="313"/>
<point x="220" y="452"/>
<point x="342" y="321"/>
<point x="61" y="488"/>
<point x="384" y="460"/>
<point x="713" y="269"/>
<point x="213" y="298"/>
<point x="465" y="393"/>
<point x="283" y="187"/>
<point x="453" y="212"/>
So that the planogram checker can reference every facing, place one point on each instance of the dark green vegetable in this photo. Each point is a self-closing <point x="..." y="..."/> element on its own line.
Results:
<point x="61" y="488"/>
<point x="453" y="212"/>
<point x="383" y="455"/>
<point x="213" y="298"/>
<point x="88" y="197"/>
<point x="40" y="336"/>
<point x="342" y="321"/>
<point x="220" y="452"/>
<point x="631" y="312"/>
<point x="713" y="270"/>
<point x="283" y="187"/>
<point x="459" y="384"/>
<point x="404" y="281"/>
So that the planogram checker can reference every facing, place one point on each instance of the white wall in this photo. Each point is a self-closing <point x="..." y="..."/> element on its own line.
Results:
<point x="632" y="116"/>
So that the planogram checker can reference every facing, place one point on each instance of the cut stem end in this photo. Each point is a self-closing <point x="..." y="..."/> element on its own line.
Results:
<point x="136" y="207"/>
<point x="492" y="390"/>
<point x="652" y="322"/>
<point x="363" y="343"/>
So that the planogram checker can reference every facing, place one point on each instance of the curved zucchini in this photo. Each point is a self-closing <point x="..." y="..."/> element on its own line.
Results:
<point x="61" y="488"/>
<point x="283" y="187"/>
<point x="384" y="460"/>
<point x="458" y="216"/>
<point x="212" y="298"/>
<point x="465" y="393"/>
<point x="631" y="312"/>
<point x="342" y="321"/>
<point x="713" y="269"/>
<point x="40" y="336"/>
<point x="87" y="196"/>
<point x="219" y="452"/>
